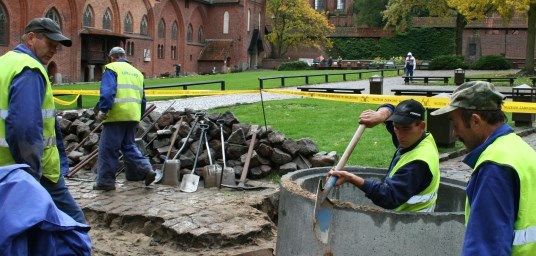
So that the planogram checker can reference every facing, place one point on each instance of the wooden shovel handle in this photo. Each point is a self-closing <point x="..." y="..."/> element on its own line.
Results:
<point x="174" y="136"/>
<point x="350" y="148"/>
<point x="248" y="158"/>
<point x="330" y="182"/>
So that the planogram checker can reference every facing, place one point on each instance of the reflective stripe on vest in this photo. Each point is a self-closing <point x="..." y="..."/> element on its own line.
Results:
<point x="525" y="236"/>
<point x="13" y="63"/>
<point x="510" y="150"/>
<point x="425" y="151"/>
<point x="129" y="94"/>
<point x="421" y="198"/>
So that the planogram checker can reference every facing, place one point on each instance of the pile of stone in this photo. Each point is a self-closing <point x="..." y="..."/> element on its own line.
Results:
<point x="273" y="152"/>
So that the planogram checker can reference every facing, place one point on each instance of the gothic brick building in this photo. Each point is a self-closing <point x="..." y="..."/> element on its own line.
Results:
<point x="198" y="35"/>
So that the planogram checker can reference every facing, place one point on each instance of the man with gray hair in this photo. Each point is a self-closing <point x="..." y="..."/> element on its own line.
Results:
<point x="501" y="195"/>
<point x="122" y="102"/>
<point x="29" y="132"/>
<point x="38" y="214"/>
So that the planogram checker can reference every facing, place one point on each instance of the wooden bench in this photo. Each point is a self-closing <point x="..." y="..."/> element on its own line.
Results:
<point x="331" y="90"/>
<point x="492" y="79"/>
<point x="185" y="85"/>
<point x="426" y="79"/>
<point x="420" y="92"/>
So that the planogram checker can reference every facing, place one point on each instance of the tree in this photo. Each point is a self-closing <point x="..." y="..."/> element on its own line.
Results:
<point x="398" y="12"/>
<point x="477" y="9"/>
<point x="295" y="24"/>
<point x="369" y="12"/>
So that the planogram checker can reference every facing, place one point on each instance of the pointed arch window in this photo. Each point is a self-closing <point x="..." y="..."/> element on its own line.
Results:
<point x="189" y="33"/>
<point x="107" y="20"/>
<point x="3" y="26"/>
<point x="226" y="22"/>
<point x="161" y="29"/>
<point x="88" y="17"/>
<point x="128" y="23"/>
<point x="130" y="48"/>
<point x="54" y="15"/>
<point x="173" y="52"/>
<point x="249" y="20"/>
<point x="143" y="26"/>
<point x="200" y="35"/>
<point x="160" y="51"/>
<point x="174" y="30"/>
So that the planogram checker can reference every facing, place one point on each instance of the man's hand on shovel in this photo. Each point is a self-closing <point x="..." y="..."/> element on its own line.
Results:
<point x="344" y="176"/>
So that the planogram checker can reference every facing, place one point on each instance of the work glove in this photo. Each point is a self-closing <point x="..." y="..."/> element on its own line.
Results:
<point x="102" y="116"/>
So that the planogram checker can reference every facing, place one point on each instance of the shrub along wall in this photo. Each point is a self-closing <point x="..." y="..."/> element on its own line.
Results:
<point x="424" y="43"/>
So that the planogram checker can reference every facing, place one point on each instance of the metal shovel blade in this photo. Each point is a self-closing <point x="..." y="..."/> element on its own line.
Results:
<point x="171" y="175"/>
<point x="323" y="212"/>
<point x="189" y="183"/>
<point x="159" y="176"/>
<point x="212" y="174"/>
<point x="228" y="177"/>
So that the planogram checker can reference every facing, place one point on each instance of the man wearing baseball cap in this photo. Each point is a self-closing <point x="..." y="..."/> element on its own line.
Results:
<point x="30" y="138"/>
<point x="412" y="179"/>
<point x="122" y="102"/>
<point x="501" y="193"/>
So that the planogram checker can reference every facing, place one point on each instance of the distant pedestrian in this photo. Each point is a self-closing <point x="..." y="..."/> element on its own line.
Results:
<point x="409" y="65"/>
<point x="339" y="62"/>
<point x="177" y="70"/>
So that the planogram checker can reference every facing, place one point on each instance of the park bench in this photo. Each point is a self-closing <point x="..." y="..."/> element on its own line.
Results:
<point x="420" y="92"/>
<point x="426" y="79"/>
<point x="331" y="89"/>
<point x="492" y="79"/>
<point x="186" y="85"/>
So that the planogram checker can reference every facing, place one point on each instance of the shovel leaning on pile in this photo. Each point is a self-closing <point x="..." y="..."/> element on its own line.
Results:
<point x="242" y="183"/>
<point x="190" y="181"/>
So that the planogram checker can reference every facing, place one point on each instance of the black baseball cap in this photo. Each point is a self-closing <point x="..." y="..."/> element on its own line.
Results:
<point x="49" y="28"/>
<point x="407" y="112"/>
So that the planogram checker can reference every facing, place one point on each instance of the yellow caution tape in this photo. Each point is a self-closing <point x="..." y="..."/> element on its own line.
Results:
<point x="428" y="102"/>
<point x="77" y="92"/>
<point x="64" y="102"/>
<point x="195" y="92"/>
<point x="160" y="92"/>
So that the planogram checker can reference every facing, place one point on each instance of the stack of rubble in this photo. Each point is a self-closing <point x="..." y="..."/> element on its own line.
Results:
<point x="272" y="150"/>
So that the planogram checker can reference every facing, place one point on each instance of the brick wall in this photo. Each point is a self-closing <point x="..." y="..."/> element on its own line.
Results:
<point x="68" y="60"/>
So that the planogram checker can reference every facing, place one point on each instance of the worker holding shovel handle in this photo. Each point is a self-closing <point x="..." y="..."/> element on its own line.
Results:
<point x="412" y="179"/>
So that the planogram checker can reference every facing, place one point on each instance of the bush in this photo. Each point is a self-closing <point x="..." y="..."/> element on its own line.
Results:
<point x="492" y="62"/>
<point x="293" y="65"/>
<point x="448" y="62"/>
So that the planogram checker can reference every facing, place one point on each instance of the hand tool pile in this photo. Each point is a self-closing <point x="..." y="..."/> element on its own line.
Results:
<point x="215" y="147"/>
